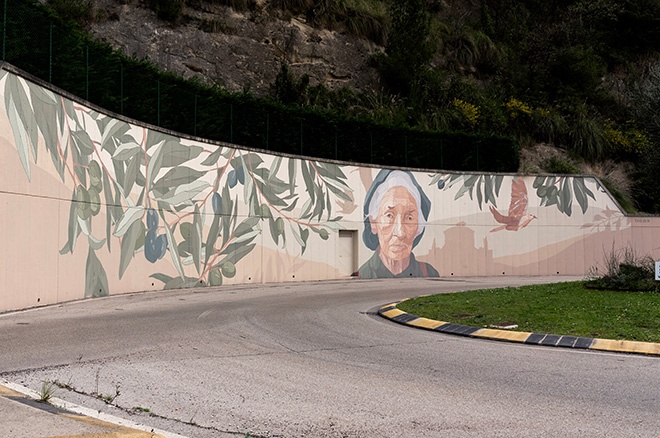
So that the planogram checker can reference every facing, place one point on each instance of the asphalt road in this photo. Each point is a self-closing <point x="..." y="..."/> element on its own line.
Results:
<point x="313" y="360"/>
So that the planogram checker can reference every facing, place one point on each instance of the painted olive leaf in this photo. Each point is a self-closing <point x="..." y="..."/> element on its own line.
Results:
<point x="182" y="283"/>
<point x="562" y="191"/>
<point x="20" y="135"/>
<point x="175" y="177"/>
<point x="45" y="115"/>
<point x="235" y="253"/>
<point x="162" y="277"/>
<point x="582" y="193"/>
<point x="96" y="280"/>
<point x="73" y="228"/>
<point x="172" y="247"/>
<point x="109" y="209"/>
<point x="130" y="216"/>
<point x="128" y="243"/>
<point x="70" y="113"/>
<point x="213" y="157"/>
<point x="154" y="165"/>
<point x="196" y="238"/>
<point x="211" y="238"/>
<point x="131" y="173"/>
<point x="292" y="175"/>
<point x="83" y="142"/>
<point x="25" y="113"/>
<point x="86" y="229"/>
<point x="126" y="151"/>
<point x="184" y="193"/>
<point x="114" y="129"/>
<point x="174" y="153"/>
<point x="167" y="172"/>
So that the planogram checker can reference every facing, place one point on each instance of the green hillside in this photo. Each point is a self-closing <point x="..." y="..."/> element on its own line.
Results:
<point x="580" y="75"/>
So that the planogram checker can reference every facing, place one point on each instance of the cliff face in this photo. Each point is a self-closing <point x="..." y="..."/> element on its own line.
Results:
<point x="238" y="50"/>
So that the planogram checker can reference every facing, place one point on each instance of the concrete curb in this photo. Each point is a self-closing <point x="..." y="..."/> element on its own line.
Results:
<point x="391" y="312"/>
<point x="77" y="417"/>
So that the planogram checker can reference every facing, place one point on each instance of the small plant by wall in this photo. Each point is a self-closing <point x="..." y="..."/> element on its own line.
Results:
<point x="624" y="269"/>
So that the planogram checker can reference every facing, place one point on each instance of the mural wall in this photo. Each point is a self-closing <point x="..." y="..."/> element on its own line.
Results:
<point x="93" y="205"/>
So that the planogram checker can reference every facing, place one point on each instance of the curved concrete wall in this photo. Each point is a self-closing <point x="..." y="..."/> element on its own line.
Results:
<point x="94" y="204"/>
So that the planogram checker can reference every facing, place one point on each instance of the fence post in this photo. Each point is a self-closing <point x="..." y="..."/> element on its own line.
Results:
<point x="336" y="153"/>
<point x="405" y="149"/>
<point x="267" y="128"/>
<point x="158" y="104"/>
<point x="87" y="73"/>
<point x="231" y="123"/>
<point x="195" y="118"/>
<point x="121" y="88"/>
<point x="371" y="147"/>
<point x="50" y="56"/>
<point x="301" y="137"/>
<point x="4" y="33"/>
<point x="442" y="156"/>
<point x="478" y="155"/>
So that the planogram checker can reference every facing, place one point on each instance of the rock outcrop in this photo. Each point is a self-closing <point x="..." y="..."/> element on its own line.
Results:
<point x="238" y="50"/>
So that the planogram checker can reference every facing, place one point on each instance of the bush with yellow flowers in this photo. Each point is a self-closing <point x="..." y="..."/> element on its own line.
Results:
<point x="626" y="138"/>
<point x="469" y="112"/>
<point x="516" y="108"/>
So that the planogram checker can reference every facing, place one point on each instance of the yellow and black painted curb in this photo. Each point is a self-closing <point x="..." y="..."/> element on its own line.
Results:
<point x="391" y="312"/>
<point x="105" y="429"/>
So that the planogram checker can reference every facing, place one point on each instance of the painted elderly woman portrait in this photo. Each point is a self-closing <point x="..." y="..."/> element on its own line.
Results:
<point x="396" y="210"/>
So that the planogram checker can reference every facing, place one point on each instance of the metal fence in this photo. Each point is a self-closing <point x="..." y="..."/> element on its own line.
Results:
<point x="36" y="41"/>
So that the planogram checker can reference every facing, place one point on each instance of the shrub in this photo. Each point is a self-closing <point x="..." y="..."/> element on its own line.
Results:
<point x="586" y="137"/>
<point x="469" y="112"/>
<point x="237" y="5"/>
<point x="79" y="11"/>
<point x="626" y="138"/>
<point x="287" y="89"/>
<point x="168" y="10"/>
<point x="558" y="165"/>
<point x="625" y="270"/>
<point x="622" y="198"/>
<point x="409" y="51"/>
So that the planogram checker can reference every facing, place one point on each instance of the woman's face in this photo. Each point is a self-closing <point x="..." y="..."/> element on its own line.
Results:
<point x="396" y="224"/>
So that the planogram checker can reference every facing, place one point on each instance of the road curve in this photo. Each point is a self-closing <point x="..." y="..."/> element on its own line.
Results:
<point x="312" y="359"/>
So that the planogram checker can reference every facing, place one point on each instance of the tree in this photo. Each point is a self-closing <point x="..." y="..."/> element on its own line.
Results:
<point x="409" y="51"/>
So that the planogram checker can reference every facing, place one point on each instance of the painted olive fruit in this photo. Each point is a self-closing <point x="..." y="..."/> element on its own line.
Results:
<point x="152" y="219"/>
<point x="84" y="207"/>
<point x="154" y="246"/>
<point x="228" y="269"/>
<point x="232" y="179"/>
<point x="215" y="277"/>
<point x="94" y="201"/>
<point x="216" y="201"/>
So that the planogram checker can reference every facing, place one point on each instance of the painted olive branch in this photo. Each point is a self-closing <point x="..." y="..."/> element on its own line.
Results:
<point x="146" y="166"/>
<point x="59" y="147"/>
<point x="98" y="155"/>
<point x="262" y="196"/>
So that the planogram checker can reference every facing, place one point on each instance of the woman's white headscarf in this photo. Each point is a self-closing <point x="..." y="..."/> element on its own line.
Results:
<point x="397" y="178"/>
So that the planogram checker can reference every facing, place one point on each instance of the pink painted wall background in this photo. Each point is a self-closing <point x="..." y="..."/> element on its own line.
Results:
<point x="296" y="235"/>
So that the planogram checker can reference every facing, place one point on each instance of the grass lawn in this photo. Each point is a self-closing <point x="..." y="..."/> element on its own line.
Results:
<point x="560" y="308"/>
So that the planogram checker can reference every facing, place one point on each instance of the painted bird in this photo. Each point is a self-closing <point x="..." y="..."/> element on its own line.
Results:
<point x="518" y="216"/>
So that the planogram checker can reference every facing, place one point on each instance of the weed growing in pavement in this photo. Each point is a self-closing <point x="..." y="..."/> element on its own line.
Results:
<point x="110" y="398"/>
<point x="47" y="391"/>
